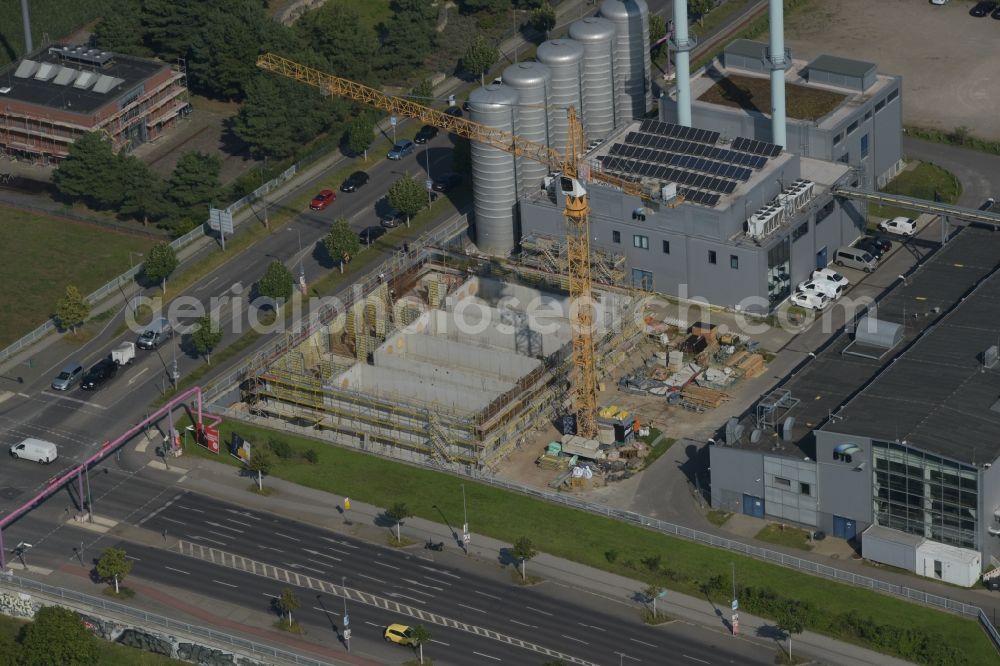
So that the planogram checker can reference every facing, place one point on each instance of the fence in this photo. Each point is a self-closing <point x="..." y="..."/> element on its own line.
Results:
<point x="88" y="603"/>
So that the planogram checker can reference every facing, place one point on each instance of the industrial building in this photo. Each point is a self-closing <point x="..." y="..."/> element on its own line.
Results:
<point x="890" y="435"/>
<point x="53" y="96"/>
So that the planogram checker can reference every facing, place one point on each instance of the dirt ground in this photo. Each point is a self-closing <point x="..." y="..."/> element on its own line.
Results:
<point x="946" y="57"/>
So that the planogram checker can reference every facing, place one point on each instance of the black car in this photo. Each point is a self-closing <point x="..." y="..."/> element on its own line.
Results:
<point x="466" y="106"/>
<point x="447" y="183"/>
<point x="983" y="8"/>
<point x="884" y="243"/>
<point x="354" y="181"/>
<point x="426" y="133"/>
<point x="996" y="13"/>
<point x="454" y="111"/>
<point x="871" y="247"/>
<point x="369" y="235"/>
<point x="101" y="372"/>
<point x="988" y="204"/>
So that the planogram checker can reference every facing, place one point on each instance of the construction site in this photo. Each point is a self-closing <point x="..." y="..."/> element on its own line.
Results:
<point x="436" y="364"/>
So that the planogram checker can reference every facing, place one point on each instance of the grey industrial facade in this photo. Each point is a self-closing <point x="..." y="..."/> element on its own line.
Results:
<point x="907" y="441"/>
<point x="696" y="251"/>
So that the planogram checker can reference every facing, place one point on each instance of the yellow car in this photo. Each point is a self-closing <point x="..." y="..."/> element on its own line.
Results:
<point x="400" y="634"/>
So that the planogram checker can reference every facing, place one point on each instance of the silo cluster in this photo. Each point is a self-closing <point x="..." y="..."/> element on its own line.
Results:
<point x="602" y="70"/>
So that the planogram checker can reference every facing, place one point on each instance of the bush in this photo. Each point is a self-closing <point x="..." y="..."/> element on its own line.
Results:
<point x="311" y="456"/>
<point x="280" y="448"/>
<point x="611" y="555"/>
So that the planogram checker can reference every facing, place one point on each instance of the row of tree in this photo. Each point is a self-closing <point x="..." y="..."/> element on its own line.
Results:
<point x="94" y="174"/>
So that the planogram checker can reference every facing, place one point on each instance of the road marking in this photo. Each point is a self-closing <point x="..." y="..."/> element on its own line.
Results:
<point x="636" y="640"/>
<point x="383" y="564"/>
<point x="238" y="522"/>
<point x="302" y="566"/>
<point x="491" y="596"/>
<point x="400" y="595"/>
<point x="377" y="580"/>
<point x="177" y="570"/>
<point x="538" y="611"/>
<point x="417" y="582"/>
<point x="285" y="536"/>
<point x="575" y="639"/>
<point x="590" y="626"/>
<point x="625" y="656"/>
<point x="443" y="582"/>
<point x="487" y="656"/>
<point x="322" y="564"/>
<point x="478" y="610"/>
<point x="277" y="550"/>
<point x="523" y="624"/>
<point x="134" y="559"/>
<point x="76" y="400"/>
<point x="441" y="643"/>
<point x="201" y="538"/>
<point x="189" y="508"/>
<point x="24" y="395"/>
<point x="328" y="612"/>
<point x="245" y="514"/>
<point x="224" y="536"/>
<point x="224" y="527"/>
<point x="137" y="375"/>
<point x="701" y="661"/>
<point x="372" y="624"/>
<point x="204" y="286"/>
<point x="171" y="520"/>
<point x="222" y="583"/>
<point x="426" y="594"/>
<point x="339" y="543"/>
<point x="443" y="573"/>
<point x="319" y="554"/>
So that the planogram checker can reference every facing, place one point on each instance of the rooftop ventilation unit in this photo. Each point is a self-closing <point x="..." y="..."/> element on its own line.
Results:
<point x="26" y="69"/>
<point x="85" y="80"/>
<point x="46" y="71"/>
<point x="105" y="83"/>
<point x="83" y="55"/>
<point x="66" y="76"/>
<point x="990" y="357"/>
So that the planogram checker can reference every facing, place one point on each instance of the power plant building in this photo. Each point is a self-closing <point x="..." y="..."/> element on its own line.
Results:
<point x="52" y="97"/>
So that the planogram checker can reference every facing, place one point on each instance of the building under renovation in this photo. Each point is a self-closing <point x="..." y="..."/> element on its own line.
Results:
<point x="456" y="368"/>
<point x="53" y="96"/>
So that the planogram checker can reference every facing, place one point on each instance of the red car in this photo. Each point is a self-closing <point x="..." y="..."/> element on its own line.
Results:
<point x="323" y="199"/>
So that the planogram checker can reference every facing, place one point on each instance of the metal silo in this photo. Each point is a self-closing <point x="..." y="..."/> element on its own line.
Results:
<point x="632" y="62"/>
<point x="565" y="58"/>
<point x="494" y="172"/>
<point x="597" y="36"/>
<point x="532" y="80"/>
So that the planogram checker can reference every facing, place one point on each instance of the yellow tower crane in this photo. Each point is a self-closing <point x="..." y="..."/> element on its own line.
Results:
<point x="571" y="169"/>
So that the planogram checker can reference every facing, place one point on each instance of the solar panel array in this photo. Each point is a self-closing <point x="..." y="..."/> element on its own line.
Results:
<point x="712" y="167"/>
<point x="755" y="147"/>
<point x="697" y="149"/>
<point x="652" y="126"/>
<point x="668" y="174"/>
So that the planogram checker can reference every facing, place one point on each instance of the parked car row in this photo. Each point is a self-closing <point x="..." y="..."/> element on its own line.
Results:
<point x="71" y="374"/>
<point x="824" y="286"/>
<point x="981" y="9"/>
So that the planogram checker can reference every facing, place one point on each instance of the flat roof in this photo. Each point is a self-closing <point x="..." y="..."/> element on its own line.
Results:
<point x="844" y="66"/>
<point x="833" y="378"/>
<point x="747" y="48"/>
<point x="125" y="72"/>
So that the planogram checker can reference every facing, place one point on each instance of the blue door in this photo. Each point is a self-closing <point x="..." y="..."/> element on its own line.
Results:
<point x="844" y="528"/>
<point x="753" y="506"/>
<point x="821" y="259"/>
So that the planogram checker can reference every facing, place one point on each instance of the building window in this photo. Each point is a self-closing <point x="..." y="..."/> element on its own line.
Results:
<point x="825" y="211"/>
<point x="805" y="489"/>
<point x="778" y="481"/>
<point x="868" y="115"/>
<point x="711" y="256"/>
<point x="879" y="105"/>
<point x="666" y="247"/>
<point x="864" y="146"/>
<point x="641" y="242"/>
<point x="845" y="158"/>
<point x="800" y="230"/>
<point x="734" y="262"/>
<point x="837" y="139"/>
<point x="893" y="95"/>
<point x="616" y="237"/>
<point x="642" y="279"/>
<point x="853" y="126"/>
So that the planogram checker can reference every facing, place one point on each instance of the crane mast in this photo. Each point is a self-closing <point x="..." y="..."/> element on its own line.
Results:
<point x="576" y="210"/>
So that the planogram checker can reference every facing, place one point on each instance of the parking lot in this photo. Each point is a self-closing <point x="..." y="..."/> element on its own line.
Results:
<point x="945" y="56"/>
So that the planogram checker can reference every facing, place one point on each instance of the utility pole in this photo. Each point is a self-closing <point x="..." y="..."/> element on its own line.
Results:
<point x="90" y="497"/>
<point x="736" y="604"/>
<point x="347" y="620"/>
<point x="466" y="537"/>
<point x="264" y="194"/>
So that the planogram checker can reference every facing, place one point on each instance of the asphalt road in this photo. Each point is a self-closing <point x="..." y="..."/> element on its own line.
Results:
<point x="78" y="421"/>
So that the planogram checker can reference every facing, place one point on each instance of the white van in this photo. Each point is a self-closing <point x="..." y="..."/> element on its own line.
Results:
<point x="37" y="450"/>
<point x="158" y="331"/>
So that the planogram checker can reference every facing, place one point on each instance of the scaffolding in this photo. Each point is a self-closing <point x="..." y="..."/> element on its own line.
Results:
<point x="549" y="255"/>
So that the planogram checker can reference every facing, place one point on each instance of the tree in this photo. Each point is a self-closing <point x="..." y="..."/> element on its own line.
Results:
<point x="491" y="6"/>
<point x="194" y="184"/>
<point x="790" y="621"/>
<point x="479" y="57"/>
<point x="276" y="283"/>
<point x="10" y="650"/>
<point x="407" y="196"/>
<point x="419" y="635"/>
<point x="72" y="309"/>
<point x="342" y="243"/>
<point x="288" y="602"/>
<point x="142" y="191"/>
<point x="260" y="462"/>
<point x="423" y="92"/>
<point x="360" y="133"/>
<point x="206" y="336"/>
<point x="114" y="566"/>
<point x="121" y="31"/>
<point x="409" y="36"/>
<point x="90" y="172"/>
<point x="397" y="513"/>
<point x="657" y="29"/>
<point x="699" y="8"/>
<point x="336" y="32"/>
<point x="161" y="260"/>
<point x="263" y="122"/>
<point x="523" y="551"/>
<point x="57" y="637"/>
<point x="652" y="592"/>
<point x="543" y="18"/>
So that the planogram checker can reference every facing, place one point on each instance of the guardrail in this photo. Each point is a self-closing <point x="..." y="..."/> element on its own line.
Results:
<point x="77" y="599"/>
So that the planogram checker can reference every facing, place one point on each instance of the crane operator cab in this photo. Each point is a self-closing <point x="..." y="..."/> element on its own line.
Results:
<point x="571" y="186"/>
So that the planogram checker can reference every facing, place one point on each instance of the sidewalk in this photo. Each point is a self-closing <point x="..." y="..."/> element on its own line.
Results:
<point x="320" y="509"/>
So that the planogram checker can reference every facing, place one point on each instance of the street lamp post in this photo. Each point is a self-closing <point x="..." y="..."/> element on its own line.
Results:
<point x="347" y="619"/>
<point x="264" y="194"/>
<point x="302" y="267"/>
<point x="90" y="498"/>
<point x="466" y="537"/>
<point x="735" y="605"/>
<point x="131" y="265"/>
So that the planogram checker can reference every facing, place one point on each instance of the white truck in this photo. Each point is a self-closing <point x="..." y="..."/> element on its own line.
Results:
<point x="123" y="353"/>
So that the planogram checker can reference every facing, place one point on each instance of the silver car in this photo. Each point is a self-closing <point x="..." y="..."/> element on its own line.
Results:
<point x="69" y="375"/>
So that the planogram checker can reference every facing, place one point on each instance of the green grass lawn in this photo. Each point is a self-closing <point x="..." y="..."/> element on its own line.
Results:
<point x="585" y="538"/>
<point x="41" y="255"/>
<point x="921" y="182"/>
<point x="111" y="654"/>
<point x="754" y="94"/>
<point x="784" y="535"/>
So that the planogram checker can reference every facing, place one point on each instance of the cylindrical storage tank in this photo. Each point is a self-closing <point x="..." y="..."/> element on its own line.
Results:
<point x="532" y="80"/>
<point x="597" y="36"/>
<point x="633" y="66"/>
<point x="494" y="172"/>
<point x="565" y="58"/>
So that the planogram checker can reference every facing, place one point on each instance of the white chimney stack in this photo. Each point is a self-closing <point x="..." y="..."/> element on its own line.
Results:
<point x="682" y="45"/>
<point x="776" y="56"/>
